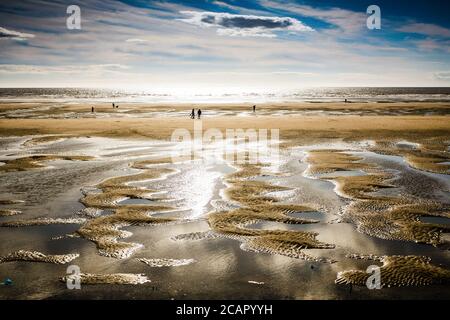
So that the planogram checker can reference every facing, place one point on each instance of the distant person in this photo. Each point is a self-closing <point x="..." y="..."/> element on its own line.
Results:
<point x="193" y="114"/>
<point x="345" y="101"/>
<point x="254" y="108"/>
<point x="113" y="105"/>
<point x="7" y="282"/>
<point x="199" y="113"/>
<point x="92" y="109"/>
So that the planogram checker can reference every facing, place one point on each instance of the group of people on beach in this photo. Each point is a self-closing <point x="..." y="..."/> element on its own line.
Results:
<point x="115" y="106"/>
<point x="199" y="113"/>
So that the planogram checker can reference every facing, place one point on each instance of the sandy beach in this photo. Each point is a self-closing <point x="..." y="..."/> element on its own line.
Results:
<point x="134" y="120"/>
<point x="224" y="157"/>
<point x="354" y="185"/>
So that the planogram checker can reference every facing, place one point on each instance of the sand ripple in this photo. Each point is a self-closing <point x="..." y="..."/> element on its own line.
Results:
<point x="41" y="222"/>
<point x="392" y="217"/>
<point x="398" y="271"/>
<point x="34" y="162"/>
<point x="43" y="140"/>
<point x="9" y="212"/>
<point x="105" y="230"/>
<point x="9" y="201"/>
<point x="35" y="256"/>
<point x="166" y="262"/>
<point x="428" y="155"/>
<point x="113" y="278"/>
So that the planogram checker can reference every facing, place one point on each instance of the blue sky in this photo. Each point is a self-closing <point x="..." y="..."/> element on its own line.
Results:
<point x="224" y="45"/>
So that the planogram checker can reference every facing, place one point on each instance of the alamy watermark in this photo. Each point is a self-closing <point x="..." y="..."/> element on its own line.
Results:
<point x="374" y="280"/>
<point x="239" y="146"/>
<point x="374" y="20"/>
<point x="73" y="22"/>
<point x="73" y="280"/>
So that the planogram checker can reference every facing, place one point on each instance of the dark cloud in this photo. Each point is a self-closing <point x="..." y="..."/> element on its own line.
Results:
<point x="209" y="19"/>
<point x="244" y="25"/>
<point x="244" y="22"/>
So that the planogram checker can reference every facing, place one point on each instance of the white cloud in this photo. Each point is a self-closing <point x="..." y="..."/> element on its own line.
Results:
<point x="346" y="20"/>
<point x="35" y="69"/>
<point x="432" y="45"/>
<point x="240" y="9"/>
<point x="244" y="25"/>
<point x="136" y="40"/>
<point x="426" y="29"/>
<point x="443" y="75"/>
<point x="15" y="35"/>
<point x="225" y="5"/>
<point x="255" y="32"/>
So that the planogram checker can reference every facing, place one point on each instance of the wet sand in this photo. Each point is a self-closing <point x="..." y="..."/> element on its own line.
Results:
<point x="301" y="129"/>
<point x="36" y="110"/>
<point x="101" y="193"/>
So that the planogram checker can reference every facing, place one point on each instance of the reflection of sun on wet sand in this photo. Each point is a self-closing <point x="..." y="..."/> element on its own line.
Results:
<point x="258" y="207"/>
<point x="389" y="172"/>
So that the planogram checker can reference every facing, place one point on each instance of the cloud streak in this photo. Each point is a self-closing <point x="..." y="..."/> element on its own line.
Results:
<point x="15" y="35"/>
<point x="36" y="69"/>
<point x="346" y="20"/>
<point x="136" y="40"/>
<point x="244" y="25"/>
<point x="433" y="45"/>
<point x="426" y="29"/>
<point x="444" y="75"/>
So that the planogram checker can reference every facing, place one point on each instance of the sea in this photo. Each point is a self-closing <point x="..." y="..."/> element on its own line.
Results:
<point x="314" y="95"/>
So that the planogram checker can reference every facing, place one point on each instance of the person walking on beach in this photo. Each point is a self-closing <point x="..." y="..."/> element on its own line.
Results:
<point x="199" y="113"/>
<point x="254" y="108"/>
<point x="193" y="114"/>
<point x="113" y="105"/>
<point x="92" y="109"/>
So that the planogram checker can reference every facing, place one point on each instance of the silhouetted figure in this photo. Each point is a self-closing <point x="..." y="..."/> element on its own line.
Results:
<point x="92" y="109"/>
<point x="193" y="114"/>
<point x="199" y="113"/>
<point x="113" y="105"/>
<point x="254" y="108"/>
<point x="345" y="101"/>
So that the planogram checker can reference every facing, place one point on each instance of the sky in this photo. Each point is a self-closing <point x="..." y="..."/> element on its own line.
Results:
<point x="224" y="45"/>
